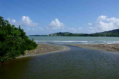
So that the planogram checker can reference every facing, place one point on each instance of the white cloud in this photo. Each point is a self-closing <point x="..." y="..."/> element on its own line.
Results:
<point x="89" y="23"/>
<point x="56" y="24"/>
<point x="105" y="24"/>
<point x="102" y="17"/>
<point x="25" y="21"/>
<point x="11" y="20"/>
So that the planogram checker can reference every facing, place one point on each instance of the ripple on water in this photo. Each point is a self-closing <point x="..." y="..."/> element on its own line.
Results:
<point x="77" y="63"/>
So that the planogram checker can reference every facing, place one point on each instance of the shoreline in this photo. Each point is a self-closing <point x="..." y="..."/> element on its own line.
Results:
<point x="100" y="47"/>
<point x="43" y="49"/>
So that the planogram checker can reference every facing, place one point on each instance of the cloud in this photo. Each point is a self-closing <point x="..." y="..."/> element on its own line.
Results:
<point x="104" y="24"/>
<point x="56" y="24"/>
<point x="102" y="17"/>
<point x="25" y="21"/>
<point x="74" y="30"/>
<point x="89" y="23"/>
<point x="11" y="20"/>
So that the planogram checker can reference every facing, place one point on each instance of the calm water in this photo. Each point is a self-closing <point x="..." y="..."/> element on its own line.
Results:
<point x="80" y="40"/>
<point x="77" y="63"/>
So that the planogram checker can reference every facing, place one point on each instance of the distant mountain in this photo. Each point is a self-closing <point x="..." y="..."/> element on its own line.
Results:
<point x="112" y="33"/>
<point x="38" y="35"/>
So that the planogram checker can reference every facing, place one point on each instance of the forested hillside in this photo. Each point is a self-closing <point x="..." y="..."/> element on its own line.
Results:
<point x="112" y="33"/>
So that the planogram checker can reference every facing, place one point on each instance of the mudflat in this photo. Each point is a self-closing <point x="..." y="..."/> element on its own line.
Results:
<point x="102" y="47"/>
<point x="44" y="49"/>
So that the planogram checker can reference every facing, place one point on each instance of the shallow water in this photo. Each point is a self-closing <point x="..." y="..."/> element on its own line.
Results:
<point x="76" y="63"/>
<point x="74" y="39"/>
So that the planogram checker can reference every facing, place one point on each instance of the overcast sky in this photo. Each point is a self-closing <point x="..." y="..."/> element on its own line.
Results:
<point x="50" y="16"/>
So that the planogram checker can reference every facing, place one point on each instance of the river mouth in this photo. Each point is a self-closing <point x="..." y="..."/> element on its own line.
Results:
<point x="76" y="63"/>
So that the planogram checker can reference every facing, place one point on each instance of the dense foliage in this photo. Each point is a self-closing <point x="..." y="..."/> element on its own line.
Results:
<point x="112" y="33"/>
<point x="13" y="41"/>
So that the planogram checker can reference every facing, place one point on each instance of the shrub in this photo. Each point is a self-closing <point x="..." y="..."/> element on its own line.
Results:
<point x="13" y="41"/>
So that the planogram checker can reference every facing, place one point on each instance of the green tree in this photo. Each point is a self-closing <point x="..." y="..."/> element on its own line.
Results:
<point x="13" y="41"/>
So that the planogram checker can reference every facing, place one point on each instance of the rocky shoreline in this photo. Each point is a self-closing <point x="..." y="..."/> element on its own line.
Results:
<point x="102" y="47"/>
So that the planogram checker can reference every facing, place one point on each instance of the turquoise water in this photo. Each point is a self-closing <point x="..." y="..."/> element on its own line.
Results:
<point x="80" y="40"/>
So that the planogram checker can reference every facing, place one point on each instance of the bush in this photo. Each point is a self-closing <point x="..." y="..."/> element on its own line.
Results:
<point x="13" y="41"/>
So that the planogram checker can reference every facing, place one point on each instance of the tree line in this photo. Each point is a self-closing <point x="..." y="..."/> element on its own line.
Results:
<point x="112" y="33"/>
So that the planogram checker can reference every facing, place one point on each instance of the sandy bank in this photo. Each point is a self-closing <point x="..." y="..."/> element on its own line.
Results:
<point x="102" y="47"/>
<point x="44" y="49"/>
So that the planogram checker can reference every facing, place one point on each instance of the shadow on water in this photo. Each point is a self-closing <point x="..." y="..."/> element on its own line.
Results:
<point x="76" y="63"/>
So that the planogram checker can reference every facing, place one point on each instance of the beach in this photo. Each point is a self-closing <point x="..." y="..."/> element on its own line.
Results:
<point x="102" y="47"/>
<point x="44" y="49"/>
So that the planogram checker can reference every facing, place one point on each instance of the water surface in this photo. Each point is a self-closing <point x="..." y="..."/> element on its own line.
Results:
<point x="76" y="63"/>
<point x="74" y="40"/>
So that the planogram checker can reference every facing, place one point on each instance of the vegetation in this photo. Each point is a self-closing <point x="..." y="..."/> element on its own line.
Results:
<point x="13" y="41"/>
<point x="112" y="33"/>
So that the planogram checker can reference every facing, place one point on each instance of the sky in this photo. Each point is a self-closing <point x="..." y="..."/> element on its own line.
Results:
<point x="39" y="17"/>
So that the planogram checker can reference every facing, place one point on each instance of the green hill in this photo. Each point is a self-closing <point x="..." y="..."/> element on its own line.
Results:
<point x="112" y="33"/>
